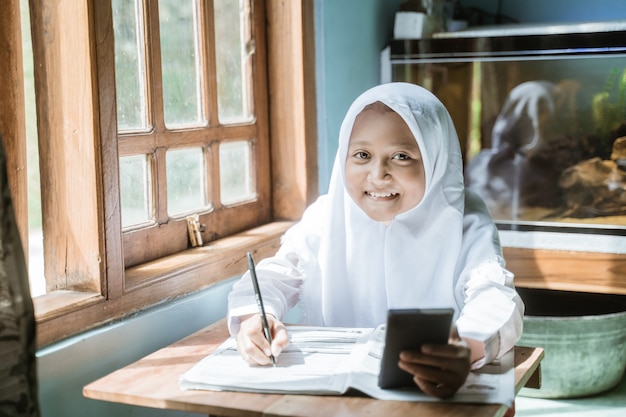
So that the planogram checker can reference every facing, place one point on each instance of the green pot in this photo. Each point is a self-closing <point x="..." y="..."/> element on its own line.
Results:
<point x="584" y="338"/>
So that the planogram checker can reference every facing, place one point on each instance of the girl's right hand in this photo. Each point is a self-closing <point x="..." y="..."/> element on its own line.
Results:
<point x="252" y="344"/>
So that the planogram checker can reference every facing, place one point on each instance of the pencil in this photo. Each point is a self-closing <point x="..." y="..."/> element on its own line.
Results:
<point x="259" y="301"/>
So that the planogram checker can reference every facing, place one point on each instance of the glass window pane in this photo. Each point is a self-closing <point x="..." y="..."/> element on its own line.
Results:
<point x="35" y="236"/>
<point x="130" y="70"/>
<point x="135" y="190"/>
<point x="233" y="50"/>
<point x="236" y="182"/>
<point x="186" y="186"/>
<point x="180" y="63"/>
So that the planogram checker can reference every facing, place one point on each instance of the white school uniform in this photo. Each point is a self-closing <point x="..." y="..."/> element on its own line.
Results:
<point x="345" y="269"/>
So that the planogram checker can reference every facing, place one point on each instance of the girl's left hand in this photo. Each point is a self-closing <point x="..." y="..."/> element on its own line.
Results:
<point x="438" y="370"/>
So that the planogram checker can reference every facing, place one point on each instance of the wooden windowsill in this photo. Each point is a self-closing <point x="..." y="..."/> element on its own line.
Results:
<point x="60" y="302"/>
<point x="60" y="314"/>
<point x="232" y="249"/>
<point x="567" y="270"/>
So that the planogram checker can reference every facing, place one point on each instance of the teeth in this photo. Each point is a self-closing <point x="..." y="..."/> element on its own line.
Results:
<point x="381" y="195"/>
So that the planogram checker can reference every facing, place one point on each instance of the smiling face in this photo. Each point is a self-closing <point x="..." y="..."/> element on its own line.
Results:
<point x="384" y="170"/>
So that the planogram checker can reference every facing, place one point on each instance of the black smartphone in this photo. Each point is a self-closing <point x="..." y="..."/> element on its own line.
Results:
<point x="408" y="329"/>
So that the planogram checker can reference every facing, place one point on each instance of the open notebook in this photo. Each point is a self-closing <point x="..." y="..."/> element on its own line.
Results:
<point x="331" y="361"/>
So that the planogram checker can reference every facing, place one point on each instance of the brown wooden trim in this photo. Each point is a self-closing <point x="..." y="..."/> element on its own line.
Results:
<point x="108" y="151"/>
<point x="154" y="74"/>
<point x="567" y="270"/>
<point x="209" y="64"/>
<point x="293" y="109"/>
<point x="12" y="114"/>
<point x="213" y="169"/>
<point x="261" y="107"/>
<point x="310" y="101"/>
<point x="138" y="143"/>
<point x="159" y="191"/>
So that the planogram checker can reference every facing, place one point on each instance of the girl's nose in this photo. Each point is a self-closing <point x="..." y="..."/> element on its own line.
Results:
<point x="379" y="172"/>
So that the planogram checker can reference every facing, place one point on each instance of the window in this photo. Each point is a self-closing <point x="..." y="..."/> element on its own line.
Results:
<point x="136" y="135"/>
<point x="192" y="126"/>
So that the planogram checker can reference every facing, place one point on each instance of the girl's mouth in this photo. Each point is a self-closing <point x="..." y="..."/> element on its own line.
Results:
<point x="380" y="195"/>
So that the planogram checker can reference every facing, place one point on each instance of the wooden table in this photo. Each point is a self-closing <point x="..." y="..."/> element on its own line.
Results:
<point x="153" y="382"/>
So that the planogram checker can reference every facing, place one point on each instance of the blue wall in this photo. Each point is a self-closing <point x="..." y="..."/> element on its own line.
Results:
<point x="349" y="36"/>
<point x="553" y="11"/>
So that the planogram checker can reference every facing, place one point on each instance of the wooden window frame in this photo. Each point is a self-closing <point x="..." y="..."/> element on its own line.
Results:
<point x="77" y="129"/>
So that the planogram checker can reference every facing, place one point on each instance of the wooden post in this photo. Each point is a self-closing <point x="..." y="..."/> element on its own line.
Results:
<point x="68" y="144"/>
<point x="12" y="113"/>
<point x="291" y="72"/>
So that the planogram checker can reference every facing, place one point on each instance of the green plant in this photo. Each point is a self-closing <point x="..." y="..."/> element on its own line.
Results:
<point x="608" y="106"/>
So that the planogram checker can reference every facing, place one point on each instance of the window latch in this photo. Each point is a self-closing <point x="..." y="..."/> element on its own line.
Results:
<point x="194" y="229"/>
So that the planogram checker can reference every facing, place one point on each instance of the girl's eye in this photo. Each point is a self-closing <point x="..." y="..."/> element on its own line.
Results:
<point x="361" y="155"/>
<point x="401" y="156"/>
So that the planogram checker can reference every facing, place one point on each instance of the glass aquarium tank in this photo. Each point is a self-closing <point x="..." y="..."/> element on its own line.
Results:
<point x="541" y="117"/>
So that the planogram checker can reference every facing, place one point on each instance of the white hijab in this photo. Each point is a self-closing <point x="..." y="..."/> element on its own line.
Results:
<point x="360" y="268"/>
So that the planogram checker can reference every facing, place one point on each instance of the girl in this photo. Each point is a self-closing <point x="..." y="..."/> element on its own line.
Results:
<point x="397" y="229"/>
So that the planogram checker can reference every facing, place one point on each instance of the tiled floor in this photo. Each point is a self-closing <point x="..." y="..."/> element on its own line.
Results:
<point x="609" y="404"/>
